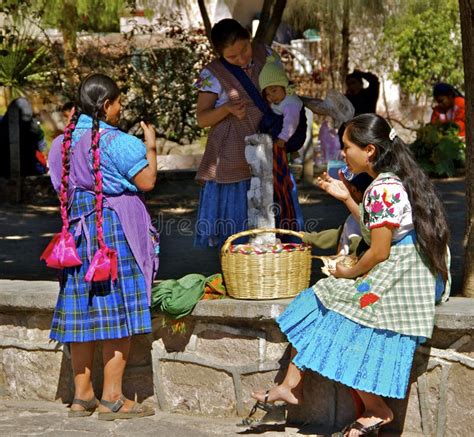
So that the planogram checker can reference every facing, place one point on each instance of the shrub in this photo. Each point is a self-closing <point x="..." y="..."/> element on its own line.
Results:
<point x="438" y="149"/>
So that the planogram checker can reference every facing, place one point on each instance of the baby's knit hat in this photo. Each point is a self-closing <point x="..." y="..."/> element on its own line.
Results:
<point x="272" y="74"/>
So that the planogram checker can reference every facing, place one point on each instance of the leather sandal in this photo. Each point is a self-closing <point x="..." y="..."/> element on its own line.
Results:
<point x="370" y="431"/>
<point x="137" y="410"/>
<point x="275" y="416"/>
<point x="89" y="407"/>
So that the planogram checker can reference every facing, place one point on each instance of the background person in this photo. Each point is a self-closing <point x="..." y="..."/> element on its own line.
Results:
<point x="363" y="99"/>
<point x="450" y="107"/>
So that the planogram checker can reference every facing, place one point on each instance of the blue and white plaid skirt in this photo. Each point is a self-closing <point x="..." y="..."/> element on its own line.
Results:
<point x="90" y="311"/>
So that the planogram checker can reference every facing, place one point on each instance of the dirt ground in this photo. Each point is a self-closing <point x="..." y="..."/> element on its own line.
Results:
<point x="26" y="229"/>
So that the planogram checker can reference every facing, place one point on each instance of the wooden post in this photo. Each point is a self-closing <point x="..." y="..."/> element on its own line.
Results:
<point x="14" y="137"/>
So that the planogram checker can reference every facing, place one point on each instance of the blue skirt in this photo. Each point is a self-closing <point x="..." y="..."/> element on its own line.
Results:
<point x="89" y="311"/>
<point x="223" y="212"/>
<point x="367" y="359"/>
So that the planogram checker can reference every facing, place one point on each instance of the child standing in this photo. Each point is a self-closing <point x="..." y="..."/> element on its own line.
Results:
<point x="108" y="267"/>
<point x="361" y="325"/>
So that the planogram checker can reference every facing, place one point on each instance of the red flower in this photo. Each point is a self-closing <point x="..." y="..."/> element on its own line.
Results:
<point x="368" y="299"/>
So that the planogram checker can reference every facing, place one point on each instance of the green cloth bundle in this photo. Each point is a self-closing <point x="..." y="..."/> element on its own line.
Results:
<point x="177" y="297"/>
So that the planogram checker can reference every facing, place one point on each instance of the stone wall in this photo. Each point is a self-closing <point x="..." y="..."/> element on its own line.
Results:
<point x="230" y="348"/>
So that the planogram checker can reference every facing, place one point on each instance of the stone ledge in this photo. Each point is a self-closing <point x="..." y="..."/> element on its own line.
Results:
<point x="16" y="295"/>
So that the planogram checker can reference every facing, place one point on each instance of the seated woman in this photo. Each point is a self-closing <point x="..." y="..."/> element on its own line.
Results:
<point x="450" y="107"/>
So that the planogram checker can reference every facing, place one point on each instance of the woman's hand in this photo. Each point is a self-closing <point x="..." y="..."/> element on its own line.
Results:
<point x="280" y="143"/>
<point x="237" y="108"/>
<point x="149" y="134"/>
<point x="342" y="271"/>
<point x="334" y="187"/>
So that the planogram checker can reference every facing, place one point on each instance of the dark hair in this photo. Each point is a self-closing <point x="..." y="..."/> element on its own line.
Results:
<point x="354" y="75"/>
<point x="394" y="156"/>
<point x="94" y="91"/>
<point x="444" y="89"/>
<point x="226" y="32"/>
<point x="67" y="106"/>
<point x="361" y="181"/>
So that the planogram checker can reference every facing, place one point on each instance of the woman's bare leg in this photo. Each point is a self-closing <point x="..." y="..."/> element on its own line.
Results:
<point x="375" y="410"/>
<point x="82" y="357"/>
<point x="290" y="390"/>
<point x="115" y="356"/>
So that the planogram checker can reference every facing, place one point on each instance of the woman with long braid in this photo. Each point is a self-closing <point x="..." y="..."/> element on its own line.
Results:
<point x="362" y="325"/>
<point x="107" y="249"/>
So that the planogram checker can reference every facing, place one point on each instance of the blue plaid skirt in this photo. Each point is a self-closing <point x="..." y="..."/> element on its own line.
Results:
<point x="89" y="311"/>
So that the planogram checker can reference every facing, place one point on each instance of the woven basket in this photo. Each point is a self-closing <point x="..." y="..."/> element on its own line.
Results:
<point x="267" y="275"/>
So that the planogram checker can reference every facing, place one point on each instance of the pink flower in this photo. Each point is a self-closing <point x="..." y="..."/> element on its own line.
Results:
<point x="377" y="207"/>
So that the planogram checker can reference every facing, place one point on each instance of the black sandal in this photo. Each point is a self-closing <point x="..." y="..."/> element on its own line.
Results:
<point x="89" y="407"/>
<point x="275" y="415"/>
<point x="370" y="431"/>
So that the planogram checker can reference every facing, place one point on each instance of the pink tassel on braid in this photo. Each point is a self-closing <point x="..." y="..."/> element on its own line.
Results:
<point x="61" y="251"/>
<point x="104" y="262"/>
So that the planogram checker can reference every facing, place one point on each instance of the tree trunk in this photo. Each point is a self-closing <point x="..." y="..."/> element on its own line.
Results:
<point x="466" y="8"/>
<point x="345" y="33"/>
<point x="205" y="19"/>
<point x="14" y="139"/>
<point x="68" y="26"/>
<point x="264" y="19"/>
<point x="275" y="21"/>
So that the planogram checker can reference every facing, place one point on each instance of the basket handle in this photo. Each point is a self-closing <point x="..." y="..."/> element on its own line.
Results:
<point x="229" y="240"/>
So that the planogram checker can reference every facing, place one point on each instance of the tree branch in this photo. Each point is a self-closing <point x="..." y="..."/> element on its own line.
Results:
<point x="205" y="19"/>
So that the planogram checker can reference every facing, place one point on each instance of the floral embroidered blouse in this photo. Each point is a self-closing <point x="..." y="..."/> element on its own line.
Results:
<point x="386" y="203"/>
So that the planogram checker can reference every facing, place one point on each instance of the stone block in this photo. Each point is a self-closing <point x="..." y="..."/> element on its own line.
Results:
<point x="319" y="407"/>
<point x="407" y="412"/>
<point x="443" y="339"/>
<point x="167" y="339"/>
<point x="460" y="400"/>
<point x="193" y="389"/>
<point x="25" y="329"/>
<point x="140" y="351"/>
<point x="3" y="382"/>
<point x="138" y="383"/>
<point x="255" y="382"/>
<point x="276" y="351"/>
<point x="227" y="349"/>
<point x="36" y="374"/>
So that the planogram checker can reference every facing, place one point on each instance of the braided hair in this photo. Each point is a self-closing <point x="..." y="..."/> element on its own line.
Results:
<point x="65" y="158"/>
<point x="393" y="155"/>
<point x="94" y="91"/>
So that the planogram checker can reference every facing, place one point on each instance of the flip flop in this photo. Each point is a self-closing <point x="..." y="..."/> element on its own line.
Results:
<point x="275" y="415"/>
<point x="137" y="410"/>
<point x="370" y="431"/>
<point x="89" y="407"/>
